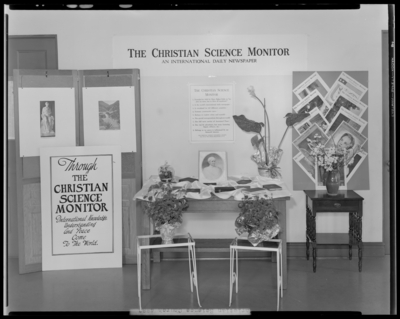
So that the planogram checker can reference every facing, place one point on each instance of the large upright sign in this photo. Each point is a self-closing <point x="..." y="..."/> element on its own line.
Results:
<point x="81" y="207"/>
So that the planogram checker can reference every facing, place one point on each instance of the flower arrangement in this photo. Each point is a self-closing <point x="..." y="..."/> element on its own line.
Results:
<point x="164" y="205"/>
<point x="328" y="158"/>
<point x="259" y="218"/>
<point x="266" y="157"/>
<point x="166" y="172"/>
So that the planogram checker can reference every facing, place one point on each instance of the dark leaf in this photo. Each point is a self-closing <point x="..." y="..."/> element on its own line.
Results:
<point x="293" y="118"/>
<point x="255" y="141"/>
<point x="248" y="125"/>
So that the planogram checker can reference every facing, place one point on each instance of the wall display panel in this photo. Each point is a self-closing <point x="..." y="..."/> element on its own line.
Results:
<point x="109" y="117"/>
<point x="46" y="119"/>
<point x="342" y="98"/>
<point x="81" y="207"/>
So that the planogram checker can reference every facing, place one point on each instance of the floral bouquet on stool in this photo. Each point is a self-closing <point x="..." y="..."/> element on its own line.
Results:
<point x="259" y="218"/>
<point x="165" y="208"/>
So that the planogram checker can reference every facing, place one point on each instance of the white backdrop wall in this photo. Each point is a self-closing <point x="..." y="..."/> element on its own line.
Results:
<point x="336" y="41"/>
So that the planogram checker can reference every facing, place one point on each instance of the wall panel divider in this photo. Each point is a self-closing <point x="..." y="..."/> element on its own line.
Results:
<point x="28" y="167"/>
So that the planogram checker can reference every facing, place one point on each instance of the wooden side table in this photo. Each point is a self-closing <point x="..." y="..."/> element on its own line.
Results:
<point x="318" y="201"/>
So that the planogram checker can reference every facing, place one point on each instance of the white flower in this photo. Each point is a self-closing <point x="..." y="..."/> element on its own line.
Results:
<point x="251" y="91"/>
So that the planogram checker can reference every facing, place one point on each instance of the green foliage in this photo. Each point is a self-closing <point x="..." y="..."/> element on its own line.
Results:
<point x="258" y="214"/>
<point x="166" y="209"/>
<point x="248" y="125"/>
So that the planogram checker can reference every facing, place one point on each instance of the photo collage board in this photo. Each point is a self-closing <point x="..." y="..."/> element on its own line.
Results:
<point x="337" y="104"/>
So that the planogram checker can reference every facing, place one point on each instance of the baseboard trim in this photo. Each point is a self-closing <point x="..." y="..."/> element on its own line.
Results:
<point x="294" y="250"/>
<point x="370" y="249"/>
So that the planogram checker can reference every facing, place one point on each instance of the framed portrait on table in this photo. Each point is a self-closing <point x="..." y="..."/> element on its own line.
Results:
<point x="213" y="166"/>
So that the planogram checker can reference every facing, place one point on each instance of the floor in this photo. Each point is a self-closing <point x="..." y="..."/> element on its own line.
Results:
<point x="336" y="286"/>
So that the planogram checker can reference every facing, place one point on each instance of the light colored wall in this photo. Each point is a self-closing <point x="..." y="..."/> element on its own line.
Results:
<point x="337" y="40"/>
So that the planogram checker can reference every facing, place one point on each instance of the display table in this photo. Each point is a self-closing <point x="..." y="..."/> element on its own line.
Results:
<point x="220" y="205"/>
<point x="346" y="201"/>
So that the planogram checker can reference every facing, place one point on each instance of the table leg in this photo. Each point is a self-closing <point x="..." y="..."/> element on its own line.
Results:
<point x="145" y="269"/>
<point x="313" y="238"/>
<point x="314" y="253"/>
<point x="308" y="214"/>
<point x="351" y="234"/>
<point x="281" y="207"/>
<point x="359" y="239"/>
<point x="311" y="235"/>
<point x="145" y="230"/>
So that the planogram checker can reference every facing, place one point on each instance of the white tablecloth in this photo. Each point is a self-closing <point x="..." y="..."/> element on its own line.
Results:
<point x="206" y="191"/>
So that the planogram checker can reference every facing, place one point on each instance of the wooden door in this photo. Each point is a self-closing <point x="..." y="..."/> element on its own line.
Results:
<point x="24" y="52"/>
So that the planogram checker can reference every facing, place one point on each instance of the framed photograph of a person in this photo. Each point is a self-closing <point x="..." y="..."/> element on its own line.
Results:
<point x="213" y="166"/>
<point x="47" y="119"/>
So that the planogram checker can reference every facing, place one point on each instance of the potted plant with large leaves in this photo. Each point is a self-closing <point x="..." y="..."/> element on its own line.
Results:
<point x="266" y="157"/>
<point x="259" y="218"/>
<point x="165" y="207"/>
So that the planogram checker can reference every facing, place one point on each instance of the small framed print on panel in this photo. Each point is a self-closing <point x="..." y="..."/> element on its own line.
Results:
<point x="213" y="166"/>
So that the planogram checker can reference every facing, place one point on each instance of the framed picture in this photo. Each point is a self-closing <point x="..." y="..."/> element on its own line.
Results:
<point x="213" y="166"/>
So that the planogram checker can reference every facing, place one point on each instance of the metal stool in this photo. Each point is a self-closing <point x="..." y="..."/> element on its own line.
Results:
<point x="143" y="242"/>
<point x="244" y="244"/>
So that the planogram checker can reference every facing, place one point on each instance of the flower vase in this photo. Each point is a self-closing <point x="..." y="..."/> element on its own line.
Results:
<point x="167" y="232"/>
<point x="166" y="177"/>
<point x="332" y="182"/>
<point x="272" y="171"/>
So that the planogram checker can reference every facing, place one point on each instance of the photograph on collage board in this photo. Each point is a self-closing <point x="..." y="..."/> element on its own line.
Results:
<point x="346" y="84"/>
<point x="313" y="100"/>
<point x="337" y="103"/>
<point x="312" y="83"/>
